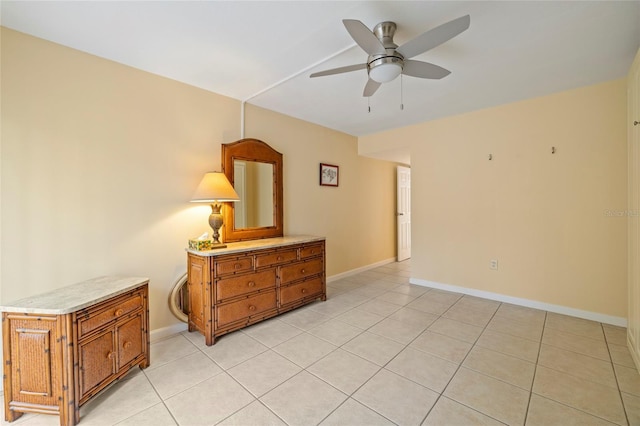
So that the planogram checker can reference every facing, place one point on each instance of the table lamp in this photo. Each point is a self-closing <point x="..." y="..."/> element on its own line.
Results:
<point x="215" y="188"/>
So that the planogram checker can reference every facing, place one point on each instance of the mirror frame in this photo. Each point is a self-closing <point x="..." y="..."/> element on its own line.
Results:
<point x="258" y="151"/>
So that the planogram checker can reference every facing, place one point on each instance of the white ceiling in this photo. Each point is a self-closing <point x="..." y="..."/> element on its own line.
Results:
<point x="264" y="51"/>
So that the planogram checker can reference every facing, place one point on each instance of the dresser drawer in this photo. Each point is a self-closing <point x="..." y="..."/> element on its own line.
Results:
<point x="254" y="305"/>
<point x="299" y="291"/>
<point x="243" y="284"/>
<point x="92" y="319"/>
<point x="240" y="264"/>
<point x="301" y="270"/>
<point x="311" y="251"/>
<point x="276" y="258"/>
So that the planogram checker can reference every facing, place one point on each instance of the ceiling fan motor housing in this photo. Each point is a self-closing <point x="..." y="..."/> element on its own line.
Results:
<point x="384" y="67"/>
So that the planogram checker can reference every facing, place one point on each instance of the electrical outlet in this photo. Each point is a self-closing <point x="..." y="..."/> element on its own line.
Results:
<point x="493" y="264"/>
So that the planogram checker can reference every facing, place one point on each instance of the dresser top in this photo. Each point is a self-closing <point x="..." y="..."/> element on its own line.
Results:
<point x="75" y="297"/>
<point x="265" y="243"/>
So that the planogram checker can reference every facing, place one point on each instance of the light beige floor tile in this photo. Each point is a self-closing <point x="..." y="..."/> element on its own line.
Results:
<point x="373" y="347"/>
<point x="263" y="372"/>
<point x="615" y="335"/>
<point x="359" y="318"/>
<point x="477" y="303"/>
<point x="233" y="348"/>
<point x="384" y="283"/>
<point x="582" y="366"/>
<point x="396" y="398"/>
<point x="545" y="412"/>
<point x="510" y="345"/>
<point x="572" y="342"/>
<point x="632" y="407"/>
<point x="335" y="332"/>
<point x="449" y="412"/>
<point x="330" y="307"/>
<point x="154" y="416"/>
<point x="521" y="314"/>
<point x="428" y="305"/>
<point x="119" y="402"/>
<point x="170" y="349"/>
<point x="497" y="399"/>
<point x="456" y="329"/>
<point x="410" y="289"/>
<point x="573" y="325"/>
<point x="447" y="348"/>
<point x="423" y="368"/>
<point x="413" y="317"/>
<point x="344" y="370"/>
<point x="468" y="316"/>
<point x="354" y="413"/>
<point x="628" y="379"/>
<point x="196" y="338"/>
<point x="304" y="318"/>
<point x="401" y="332"/>
<point x="593" y="398"/>
<point x="527" y="330"/>
<point x="253" y="414"/>
<point x="211" y="401"/>
<point x="176" y="376"/>
<point x="621" y="355"/>
<point x="503" y="367"/>
<point x="303" y="400"/>
<point x="369" y="291"/>
<point x="272" y="332"/>
<point x="442" y="296"/>
<point x="30" y="419"/>
<point x="396" y="298"/>
<point x="304" y="349"/>
<point x="379" y="307"/>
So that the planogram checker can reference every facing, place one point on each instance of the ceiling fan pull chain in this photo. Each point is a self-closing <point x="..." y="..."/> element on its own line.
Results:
<point x="401" y="94"/>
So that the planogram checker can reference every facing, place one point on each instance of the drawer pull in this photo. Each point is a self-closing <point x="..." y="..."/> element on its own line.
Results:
<point x="279" y="258"/>
<point x="126" y="345"/>
<point x="313" y="251"/>
<point x="304" y="290"/>
<point x="118" y="312"/>
<point x="237" y="266"/>
<point x="110" y="355"/>
<point x="251" y="284"/>
<point x="252" y="308"/>
<point x="303" y="271"/>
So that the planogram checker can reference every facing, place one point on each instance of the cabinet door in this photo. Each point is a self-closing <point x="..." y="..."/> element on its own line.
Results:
<point x="130" y="338"/>
<point x="97" y="361"/>
<point x="197" y="281"/>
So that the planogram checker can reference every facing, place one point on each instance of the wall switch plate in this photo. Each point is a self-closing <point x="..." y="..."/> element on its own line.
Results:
<point x="493" y="264"/>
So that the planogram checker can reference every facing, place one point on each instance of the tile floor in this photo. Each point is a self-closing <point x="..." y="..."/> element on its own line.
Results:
<point x="380" y="351"/>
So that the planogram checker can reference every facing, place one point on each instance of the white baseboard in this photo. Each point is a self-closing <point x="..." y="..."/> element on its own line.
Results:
<point x="358" y="270"/>
<point x="162" y="333"/>
<point x="558" y="309"/>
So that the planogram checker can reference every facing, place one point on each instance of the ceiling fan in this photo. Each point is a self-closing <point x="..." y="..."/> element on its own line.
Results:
<point x="387" y="61"/>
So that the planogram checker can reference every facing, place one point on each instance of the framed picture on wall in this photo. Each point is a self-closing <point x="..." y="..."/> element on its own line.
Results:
<point x="328" y="175"/>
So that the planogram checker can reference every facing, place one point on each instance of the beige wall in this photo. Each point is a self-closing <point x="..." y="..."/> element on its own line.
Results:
<point x="553" y="221"/>
<point x="99" y="161"/>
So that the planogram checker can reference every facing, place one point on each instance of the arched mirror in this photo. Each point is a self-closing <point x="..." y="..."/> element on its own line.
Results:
<point x="255" y="171"/>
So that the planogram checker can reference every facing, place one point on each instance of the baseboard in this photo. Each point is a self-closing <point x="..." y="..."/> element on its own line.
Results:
<point x="163" y="333"/>
<point x="558" y="309"/>
<point x="358" y="270"/>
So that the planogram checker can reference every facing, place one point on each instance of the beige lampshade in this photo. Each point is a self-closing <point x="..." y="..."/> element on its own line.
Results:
<point x="213" y="187"/>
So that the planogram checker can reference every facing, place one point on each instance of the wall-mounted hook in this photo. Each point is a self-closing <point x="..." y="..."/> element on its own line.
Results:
<point x="553" y="149"/>
<point x="490" y="157"/>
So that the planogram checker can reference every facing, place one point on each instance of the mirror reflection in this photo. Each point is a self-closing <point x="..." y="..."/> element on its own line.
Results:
<point x="253" y="181"/>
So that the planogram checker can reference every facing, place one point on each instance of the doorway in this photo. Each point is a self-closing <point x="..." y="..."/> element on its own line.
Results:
<point x="403" y="212"/>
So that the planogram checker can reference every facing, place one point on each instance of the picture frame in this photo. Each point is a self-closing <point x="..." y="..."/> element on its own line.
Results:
<point x="329" y="174"/>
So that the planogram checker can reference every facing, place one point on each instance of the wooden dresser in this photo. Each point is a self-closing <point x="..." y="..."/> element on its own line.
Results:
<point x="63" y="347"/>
<point x="250" y="281"/>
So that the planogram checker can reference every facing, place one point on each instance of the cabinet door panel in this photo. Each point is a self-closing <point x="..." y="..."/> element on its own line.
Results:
<point x="196" y="283"/>
<point x="97" y="361"/>
<point x="107" y="313"/>
<point x="130" y="340"/>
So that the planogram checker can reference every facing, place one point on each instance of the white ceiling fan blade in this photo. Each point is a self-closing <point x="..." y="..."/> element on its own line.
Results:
<point x="339" y="70"/>
<point x="370" y="88"/>
<point x="434" y="37"/>
<point x="363" y="36"/>
<point x="424" y="70"/>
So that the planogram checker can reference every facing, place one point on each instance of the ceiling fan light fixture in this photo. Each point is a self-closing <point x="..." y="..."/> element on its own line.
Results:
<point x="384" y="73"/>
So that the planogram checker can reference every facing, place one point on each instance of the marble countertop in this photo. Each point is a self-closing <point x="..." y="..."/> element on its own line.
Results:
<point x="75" y="297"/>
<point x="265" y="243"/>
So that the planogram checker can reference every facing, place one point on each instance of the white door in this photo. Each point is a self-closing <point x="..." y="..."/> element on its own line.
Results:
<point x="403" y="212"/>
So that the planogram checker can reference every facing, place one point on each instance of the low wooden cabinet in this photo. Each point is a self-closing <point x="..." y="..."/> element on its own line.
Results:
<point x="250" y="281"/>
<point x="63" y="347"/>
